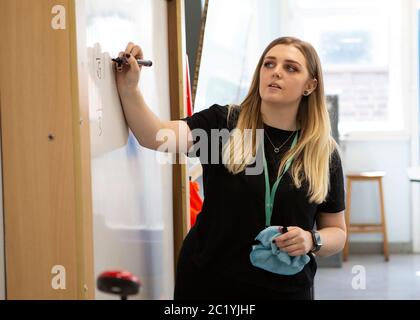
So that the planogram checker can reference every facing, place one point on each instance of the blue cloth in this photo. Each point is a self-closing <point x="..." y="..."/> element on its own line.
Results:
<point x="268" y="256"/>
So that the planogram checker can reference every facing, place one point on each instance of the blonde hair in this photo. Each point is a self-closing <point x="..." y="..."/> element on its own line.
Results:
<point x="313" y="151"/>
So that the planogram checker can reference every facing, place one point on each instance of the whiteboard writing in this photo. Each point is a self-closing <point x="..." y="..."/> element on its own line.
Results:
<point x="108" y="127"/>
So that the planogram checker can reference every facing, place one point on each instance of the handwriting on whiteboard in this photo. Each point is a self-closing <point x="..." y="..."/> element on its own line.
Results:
<point x="108" y="128"/>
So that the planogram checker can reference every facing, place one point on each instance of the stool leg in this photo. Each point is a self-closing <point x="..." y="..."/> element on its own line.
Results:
<point x="347" y="218"/>
<point x="383" y="221"/>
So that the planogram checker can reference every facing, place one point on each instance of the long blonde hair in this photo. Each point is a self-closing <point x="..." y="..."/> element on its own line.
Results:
<point x="312" y="153"/>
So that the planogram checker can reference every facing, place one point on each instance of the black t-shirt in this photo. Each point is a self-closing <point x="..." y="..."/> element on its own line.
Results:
<point x="233" y="208"/>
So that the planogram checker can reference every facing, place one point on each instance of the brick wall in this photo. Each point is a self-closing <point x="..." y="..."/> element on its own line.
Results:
<point x="363" y="96"/>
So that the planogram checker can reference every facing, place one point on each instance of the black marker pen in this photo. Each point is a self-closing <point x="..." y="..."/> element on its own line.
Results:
<point x="146" y="63"/>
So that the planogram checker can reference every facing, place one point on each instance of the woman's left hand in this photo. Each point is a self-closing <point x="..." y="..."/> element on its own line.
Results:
<point x="296" y="241"/>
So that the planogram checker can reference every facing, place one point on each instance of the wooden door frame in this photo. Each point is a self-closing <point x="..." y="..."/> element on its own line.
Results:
<point x="177" y="81"/>
<point x="2" y="255"/>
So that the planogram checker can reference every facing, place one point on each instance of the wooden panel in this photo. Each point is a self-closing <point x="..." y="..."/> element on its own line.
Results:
<point x="43" y="189"/>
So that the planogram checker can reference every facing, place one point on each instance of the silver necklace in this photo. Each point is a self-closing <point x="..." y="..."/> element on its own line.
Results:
<point x="277" y="149"/>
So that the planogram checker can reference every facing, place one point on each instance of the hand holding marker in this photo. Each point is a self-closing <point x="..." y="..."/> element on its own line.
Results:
<point x="128" y="67"/>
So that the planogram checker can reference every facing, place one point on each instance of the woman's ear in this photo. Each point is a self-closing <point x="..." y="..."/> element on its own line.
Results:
<point x="310" y="86"/>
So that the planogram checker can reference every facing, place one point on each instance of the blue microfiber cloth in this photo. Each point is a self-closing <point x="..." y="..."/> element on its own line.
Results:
<point x="268" y="256"/>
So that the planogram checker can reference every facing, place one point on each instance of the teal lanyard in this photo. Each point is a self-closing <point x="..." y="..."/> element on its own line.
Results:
<point x="269" y="196"/>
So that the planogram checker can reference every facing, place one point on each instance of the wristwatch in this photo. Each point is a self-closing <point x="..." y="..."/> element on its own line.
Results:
<point x="316" y="239"/>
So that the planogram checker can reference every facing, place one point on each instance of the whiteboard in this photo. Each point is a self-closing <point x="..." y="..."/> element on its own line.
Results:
<point x="132" y="191"/>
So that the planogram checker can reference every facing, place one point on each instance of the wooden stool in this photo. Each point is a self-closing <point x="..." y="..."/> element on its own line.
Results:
<point x="365" y="228"/>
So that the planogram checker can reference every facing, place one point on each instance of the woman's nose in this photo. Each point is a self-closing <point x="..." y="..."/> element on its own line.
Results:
<point x="277" y="74"/>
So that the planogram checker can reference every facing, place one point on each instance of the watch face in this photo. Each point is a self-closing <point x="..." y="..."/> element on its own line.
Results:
<point x="318" y="238"/>
<point x="317" y="241"/>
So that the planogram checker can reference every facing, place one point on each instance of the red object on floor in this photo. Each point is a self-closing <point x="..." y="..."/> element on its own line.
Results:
<point x="118" y="282"/>
<point x="196" y="203"/>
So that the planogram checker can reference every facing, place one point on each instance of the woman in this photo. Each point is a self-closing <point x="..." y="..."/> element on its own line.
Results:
<point x="286" y="99"/>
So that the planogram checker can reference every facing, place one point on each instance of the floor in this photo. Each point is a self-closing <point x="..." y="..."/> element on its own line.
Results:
<point x="369" y="277"/>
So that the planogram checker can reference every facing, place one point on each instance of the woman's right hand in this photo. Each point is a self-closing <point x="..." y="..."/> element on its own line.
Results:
<point x="128" y="75"/>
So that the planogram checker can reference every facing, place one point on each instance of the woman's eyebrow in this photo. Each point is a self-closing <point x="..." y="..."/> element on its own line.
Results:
<point x="292" y="61"/>
<point x="287" y="60"/>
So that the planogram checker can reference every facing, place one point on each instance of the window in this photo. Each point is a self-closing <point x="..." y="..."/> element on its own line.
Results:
<point x="359" y="43"/>
<point x="237" y="31"/>
<point x="359" y="46"/>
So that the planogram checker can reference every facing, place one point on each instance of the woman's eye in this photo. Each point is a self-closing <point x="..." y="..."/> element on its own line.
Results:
<point x="291" y="68"/>
<point x="268" y="64"/>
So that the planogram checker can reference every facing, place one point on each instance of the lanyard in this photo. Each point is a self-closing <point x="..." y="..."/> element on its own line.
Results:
<point x="269" y="196"/>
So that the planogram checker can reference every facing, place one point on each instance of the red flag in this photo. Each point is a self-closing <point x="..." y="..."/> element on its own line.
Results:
<point x="188" y="89"/>
<point x="196" y="203"/>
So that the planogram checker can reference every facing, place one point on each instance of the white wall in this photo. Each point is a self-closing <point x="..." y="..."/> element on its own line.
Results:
<point x="393" y="157"/>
